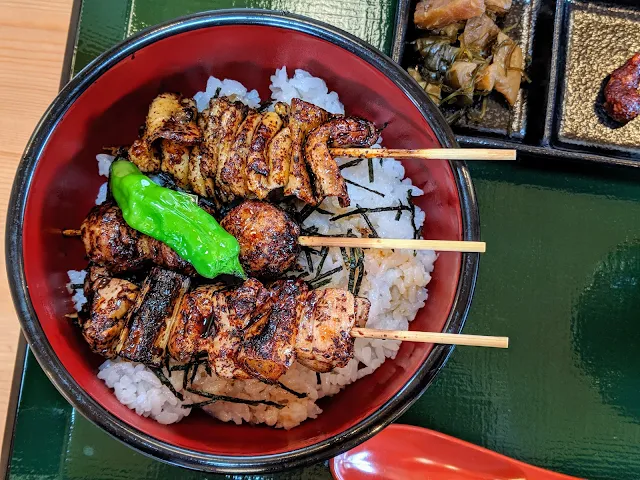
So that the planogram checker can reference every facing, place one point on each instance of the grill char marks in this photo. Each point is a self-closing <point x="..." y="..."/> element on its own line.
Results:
<point x="145" y="336"/>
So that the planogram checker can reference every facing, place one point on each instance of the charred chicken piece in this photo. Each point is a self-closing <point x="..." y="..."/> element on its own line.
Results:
<point x="324" y="342"/>
<point x="199" y="183"/>
<point x="175" y="162"/>
<point x="111" y="243"/>
<point x="339" y="132"/>
<point x="303" y="118"/>
<point x="622" y="99"/>
<point x="145" y="156"/>
<point x="146" y="333"/>
<point x="112" y="300"/>
<point x="232" y="116"/>
<point x="279" y="159"/>
<point x="191" y="323"/>
<point x="232" y="313"/>
<point x="257" y="160"/>
<point x="266" y="355"/>
<point x="233" y="174"/>
<point x="268" y="238"/>
<point x="172" y="117"/>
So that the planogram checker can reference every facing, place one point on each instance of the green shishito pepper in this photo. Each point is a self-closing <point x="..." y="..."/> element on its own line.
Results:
<point x="173" y="218"/>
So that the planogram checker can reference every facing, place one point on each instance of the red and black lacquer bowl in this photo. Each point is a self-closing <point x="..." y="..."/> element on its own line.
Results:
<point x="104" y="105"/>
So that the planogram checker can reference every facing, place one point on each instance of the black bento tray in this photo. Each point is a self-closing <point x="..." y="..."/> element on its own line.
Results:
<point x="573" y="45"/>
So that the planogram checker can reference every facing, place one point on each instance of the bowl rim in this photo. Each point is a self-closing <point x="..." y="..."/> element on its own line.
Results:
<point x="128" y="434"/>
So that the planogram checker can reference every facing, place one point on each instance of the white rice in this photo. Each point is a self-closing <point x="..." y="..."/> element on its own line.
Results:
<point x="394" y="282"/>
<point x="75" y="288"/>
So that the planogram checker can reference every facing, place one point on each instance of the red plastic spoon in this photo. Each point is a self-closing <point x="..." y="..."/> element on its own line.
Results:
<point x="404" y="452"/>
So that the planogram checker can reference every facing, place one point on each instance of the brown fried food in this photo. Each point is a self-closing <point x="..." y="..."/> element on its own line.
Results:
<point x="268" y="238"/>
<point x="622" y="99"/>
<point x="435" y="14"/>
<point x="303" y="118"/>
<point x="339" y="132"/>
<point x="267" y="354"/>
<point x="257" y="162"/>
<point x="324" y="342"/>
<point x="233" y="173"/>
<point x="110" y="242"/>
<point x="112" y="300"/>
<point x="172" y="117"/>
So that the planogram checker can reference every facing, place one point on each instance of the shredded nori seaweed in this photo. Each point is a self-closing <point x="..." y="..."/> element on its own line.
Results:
<point x="307" y="254"/>
<point x="323" y="257"/>
<point x="363" y="212"/>
<point x="399" y="208"/>
<point x="350" y="182"/>
<point x="371" y="177"/>
<point x="351" y="163"/>
<point x="291" y="391"/>
<point x="416" y="232"/>
<point x="224" y="398"/>
<point x="322" y="283"/>
<point x="326" y="274"/>
<point x="166" y="382"/>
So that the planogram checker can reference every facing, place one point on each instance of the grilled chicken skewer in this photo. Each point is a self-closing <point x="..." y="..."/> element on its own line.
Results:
<point x="269" y="241"/>
<point x="230" y="151"/>
<point x="247" y="332"/>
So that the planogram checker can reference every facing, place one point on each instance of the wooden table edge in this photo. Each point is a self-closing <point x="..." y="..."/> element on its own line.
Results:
<point x="22" y="348"/>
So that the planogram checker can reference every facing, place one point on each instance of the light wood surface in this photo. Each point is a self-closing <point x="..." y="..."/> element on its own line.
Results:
<point x="387" y="243"/>
<point x="33" y="36"/>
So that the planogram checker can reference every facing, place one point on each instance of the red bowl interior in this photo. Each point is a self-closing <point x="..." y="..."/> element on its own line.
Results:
<point x="109" y="113"/>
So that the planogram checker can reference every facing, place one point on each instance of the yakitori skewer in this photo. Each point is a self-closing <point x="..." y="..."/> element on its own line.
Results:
<point x="427" y="153"/>
<point x="416" y="336"/>
<point x="379" y="243"/>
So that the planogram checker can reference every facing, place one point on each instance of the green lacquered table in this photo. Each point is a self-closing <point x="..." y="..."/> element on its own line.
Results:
<point x="561" y="278"/>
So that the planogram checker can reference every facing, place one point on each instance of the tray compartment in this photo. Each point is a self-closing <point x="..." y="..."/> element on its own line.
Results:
<point x="500" y="121"/>
<point x="598" y="38"/>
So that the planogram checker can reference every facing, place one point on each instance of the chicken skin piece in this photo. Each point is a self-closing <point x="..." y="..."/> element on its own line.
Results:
<point x="303" y="118"/>
<point x="323" y="342"/>
<point x="339" y="132"/>
<point x="112" y="300"/>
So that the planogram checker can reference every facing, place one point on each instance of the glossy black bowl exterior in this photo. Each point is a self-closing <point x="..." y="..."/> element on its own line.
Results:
<point x="133" y="437"/>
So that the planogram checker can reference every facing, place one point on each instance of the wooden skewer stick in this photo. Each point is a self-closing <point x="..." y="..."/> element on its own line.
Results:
<point x="388" y="243"/>
<point x="427" y="153"/>
<point x="432" y="337"/>
<point x="356" y="242"/>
